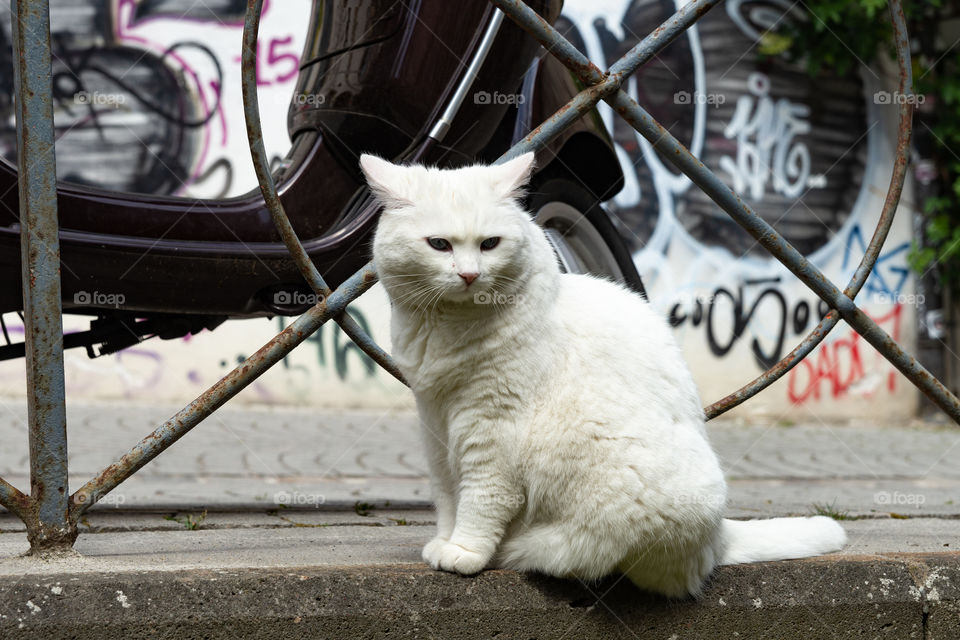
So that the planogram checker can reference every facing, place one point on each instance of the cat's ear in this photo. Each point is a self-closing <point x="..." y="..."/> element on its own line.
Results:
<point x="507" y="178"/>
<point x="386" y="180"/>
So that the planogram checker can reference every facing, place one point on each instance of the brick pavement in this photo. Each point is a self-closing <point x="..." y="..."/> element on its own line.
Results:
<point x="250" y="457"/>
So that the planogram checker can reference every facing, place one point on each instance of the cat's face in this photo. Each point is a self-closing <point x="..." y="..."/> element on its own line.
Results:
<point x="450" y="236"/>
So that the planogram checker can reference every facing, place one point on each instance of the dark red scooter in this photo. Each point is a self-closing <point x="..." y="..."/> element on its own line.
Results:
<point x="432" y="81"/>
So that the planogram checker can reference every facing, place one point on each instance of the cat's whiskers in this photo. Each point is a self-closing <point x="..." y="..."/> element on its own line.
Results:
<point x="402" y="281"/>
<point x="423" y="297"/>
<point x="435" y="301"/>
<point x="503" y="279"/>
<point x="416" y="298"/>
<point x="499" y="307"/>
<point x="402" y="275"/>
<point x="417" y="286"/>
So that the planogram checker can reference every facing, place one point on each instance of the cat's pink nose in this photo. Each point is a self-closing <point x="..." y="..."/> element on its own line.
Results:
<point x="469" y="277"/>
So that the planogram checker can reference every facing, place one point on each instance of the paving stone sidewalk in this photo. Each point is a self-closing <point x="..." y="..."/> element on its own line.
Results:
<point x="256" y="458"/>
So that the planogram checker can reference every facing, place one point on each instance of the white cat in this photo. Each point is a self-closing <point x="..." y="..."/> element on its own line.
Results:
<point x="563" y="430"/>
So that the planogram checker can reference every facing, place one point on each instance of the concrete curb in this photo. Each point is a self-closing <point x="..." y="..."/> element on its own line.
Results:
<point x="875" y="596"/>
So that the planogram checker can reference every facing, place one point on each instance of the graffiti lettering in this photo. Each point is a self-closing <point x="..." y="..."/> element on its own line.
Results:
<point x="765" y="143"/>
<point x="278" y="66"/>
<point x="342" y="348"/>
<point x="887" y="278"/>
<point x="839" y="364"/>
<point x="776" y="320"/>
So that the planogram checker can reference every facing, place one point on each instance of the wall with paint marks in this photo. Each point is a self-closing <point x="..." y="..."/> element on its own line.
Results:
<point x="147" y="92"/>
<point x="812" y="156"/>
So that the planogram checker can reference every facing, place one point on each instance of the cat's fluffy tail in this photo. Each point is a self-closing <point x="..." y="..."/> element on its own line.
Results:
<point x="779" y="539"/>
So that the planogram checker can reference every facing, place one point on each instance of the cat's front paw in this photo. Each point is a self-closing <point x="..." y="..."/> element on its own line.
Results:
<point x="431" y="551"/>
<point x="456" y="559"/>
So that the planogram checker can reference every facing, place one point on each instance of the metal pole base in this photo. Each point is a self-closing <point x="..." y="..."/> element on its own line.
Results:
<point x="46" y="540"/>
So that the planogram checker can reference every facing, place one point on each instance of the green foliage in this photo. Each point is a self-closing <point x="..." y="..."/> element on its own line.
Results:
<point x="842" y="34"/>
<point x="363" y="508"/>
<point x="838" y="34"/>
<point x="830" y="510"/>
<point x="191" y="522"/>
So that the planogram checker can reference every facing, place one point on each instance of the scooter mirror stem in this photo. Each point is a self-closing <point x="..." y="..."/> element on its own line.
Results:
<point x="442" y="126"/>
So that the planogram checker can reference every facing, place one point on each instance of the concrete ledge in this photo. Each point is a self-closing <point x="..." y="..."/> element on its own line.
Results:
<point x="346" y="575"/>
<point x="881" y="596"/>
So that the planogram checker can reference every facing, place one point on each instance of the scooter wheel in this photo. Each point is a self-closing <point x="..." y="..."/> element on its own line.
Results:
<point x="581" y="232"/>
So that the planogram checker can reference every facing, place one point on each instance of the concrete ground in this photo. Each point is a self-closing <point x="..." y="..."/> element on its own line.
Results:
<point x="314" y="521"/>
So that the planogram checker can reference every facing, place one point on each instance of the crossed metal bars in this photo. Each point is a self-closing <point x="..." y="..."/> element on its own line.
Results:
<point x="51" y="513"/>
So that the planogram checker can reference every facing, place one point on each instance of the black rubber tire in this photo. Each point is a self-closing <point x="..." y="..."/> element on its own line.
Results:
<point x="564" y="191"/>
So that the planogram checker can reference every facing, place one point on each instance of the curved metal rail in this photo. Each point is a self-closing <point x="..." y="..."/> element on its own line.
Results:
<point x="52" y="521"/>
<point x="829" y="321"/>
<point x="251" y="112"/>
<point x="840" y="303"/>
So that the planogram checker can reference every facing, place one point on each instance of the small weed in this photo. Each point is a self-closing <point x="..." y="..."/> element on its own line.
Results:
<point x="401" y="522"/>
<point x="363" y="508"/>
<point x="829" y="510"/>
<point x="785" y="423"/>
<point x="190" y="522"/>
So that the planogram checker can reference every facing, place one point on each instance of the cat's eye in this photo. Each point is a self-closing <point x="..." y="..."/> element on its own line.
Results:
<point x="439" y="244"/>
<point x="489" y="243"/>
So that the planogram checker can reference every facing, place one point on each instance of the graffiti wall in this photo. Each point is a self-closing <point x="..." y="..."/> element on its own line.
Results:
<point x="147" y="92"/>
<point x="812" y="156"/>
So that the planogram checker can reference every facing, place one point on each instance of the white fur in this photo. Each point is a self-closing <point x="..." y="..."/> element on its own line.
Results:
<point x="564" y="432"/>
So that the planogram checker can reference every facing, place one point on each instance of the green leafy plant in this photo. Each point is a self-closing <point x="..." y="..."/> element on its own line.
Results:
<point x="829" y="510"/>
<point x="363" y="508"/>
<point x="839" y="35"/>
<point x="190" y="521"/>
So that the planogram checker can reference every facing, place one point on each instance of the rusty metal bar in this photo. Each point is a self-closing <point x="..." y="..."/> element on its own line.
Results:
<point x="589" y="73"/>
<point x="14" y="500"/>
<point x="566" y="115"/>
<point x="828" y="322"/>
<point x="771" y="240"/>
<point x="271" y="353"/>
<point x="602" y="86"/>
<point x="48" y="524"/>
<point x="660" y="37"/>
<point x="765" y="234"/>
<point x="227" y="387"/>
<point x="332" y="305"/>
<point x="251" y="112"/>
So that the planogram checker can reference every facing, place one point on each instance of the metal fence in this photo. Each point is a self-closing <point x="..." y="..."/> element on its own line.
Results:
<point x="51" y="513"/>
